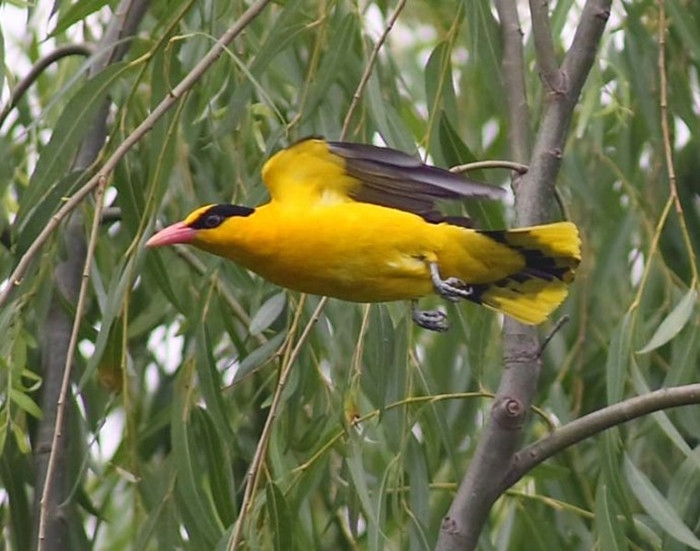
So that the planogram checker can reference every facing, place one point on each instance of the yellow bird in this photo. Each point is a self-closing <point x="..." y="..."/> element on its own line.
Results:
<point x="358" y="222"/>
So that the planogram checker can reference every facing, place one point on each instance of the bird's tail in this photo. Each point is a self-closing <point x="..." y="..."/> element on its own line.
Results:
<point x="551" y="253"/>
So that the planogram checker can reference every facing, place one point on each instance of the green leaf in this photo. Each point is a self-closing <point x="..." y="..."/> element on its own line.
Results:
<point x="673" y="323"/>
<point x="684" y="23"/>
<point x="48" y="183"/>
<point x="268" y="313"/>
<point x="360" y="482"/>
<point x="40" y="213"/>
<point x="198" y="512"/>
<point x="616" y="366"/>
<point x="25" y="403"/>
<point x="259" y="356"/>
<point x="2" y="60"/>
<point x="280" y="518"/>
<point x="210" y="384"/>
<point x="610" y="534"/>
<point x="656" y="505"/>
<point x="661" y="417"/>
<point x="75" y="13"/>
<point x="439" y="89"/>
<point x="335" y="61"/>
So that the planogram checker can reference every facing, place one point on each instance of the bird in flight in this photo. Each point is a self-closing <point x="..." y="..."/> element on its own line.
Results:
<point x="360" y="223"/>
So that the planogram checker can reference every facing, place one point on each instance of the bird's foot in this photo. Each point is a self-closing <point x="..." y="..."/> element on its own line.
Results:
<point x="432" y="320"/>
<point x="452" y="288"/>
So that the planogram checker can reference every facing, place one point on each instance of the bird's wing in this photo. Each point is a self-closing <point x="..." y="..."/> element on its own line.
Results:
<point x="314" y="169"/>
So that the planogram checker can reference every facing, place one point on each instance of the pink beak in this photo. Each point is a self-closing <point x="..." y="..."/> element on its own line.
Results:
<point x="177" y="233"/>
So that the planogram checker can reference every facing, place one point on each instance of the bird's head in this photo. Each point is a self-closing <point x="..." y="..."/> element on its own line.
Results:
<point x="205" y="227"/>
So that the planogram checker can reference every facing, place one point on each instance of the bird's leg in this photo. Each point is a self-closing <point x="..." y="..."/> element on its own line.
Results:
<point x="433" y="320"/>
<point x="452" y="288"/>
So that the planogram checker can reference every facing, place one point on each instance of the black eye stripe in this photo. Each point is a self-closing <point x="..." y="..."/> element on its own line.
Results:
<point x="216" y="214"/>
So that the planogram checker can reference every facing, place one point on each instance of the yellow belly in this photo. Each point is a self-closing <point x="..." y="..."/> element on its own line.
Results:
<point x="347" y="253"/>
<point x="357" y="251"/>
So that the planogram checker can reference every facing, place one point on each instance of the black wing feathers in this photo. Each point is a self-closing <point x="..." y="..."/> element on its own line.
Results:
<point x="394" y="179"/>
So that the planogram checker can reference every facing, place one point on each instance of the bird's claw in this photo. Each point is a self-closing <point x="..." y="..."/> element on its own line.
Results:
<point x="433" y="320"/>
<point x="452" y="288"/>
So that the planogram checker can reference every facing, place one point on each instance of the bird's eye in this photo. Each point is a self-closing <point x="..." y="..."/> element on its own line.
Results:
<point x="213" y="220"/>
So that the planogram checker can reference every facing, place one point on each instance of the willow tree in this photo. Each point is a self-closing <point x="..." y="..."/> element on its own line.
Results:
<point x="168" y="399"/>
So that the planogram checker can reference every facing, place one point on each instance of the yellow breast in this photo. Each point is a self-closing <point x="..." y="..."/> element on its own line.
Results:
<point x="353" y="251"/>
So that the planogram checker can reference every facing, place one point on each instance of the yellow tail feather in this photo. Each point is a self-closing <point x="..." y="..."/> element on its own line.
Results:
<point x="551" y="252"/>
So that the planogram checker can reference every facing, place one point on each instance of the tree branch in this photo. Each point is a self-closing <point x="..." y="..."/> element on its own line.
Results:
<point x="23" y="85"/>
<point x="596" y="422"/>
<point x="53" y="508"/>
<point x="544" y="45"/>
<point x="132" y="139"/>
<point x="513" y="72"/>
<point x="493" y="457"/>
<point x="534" y="199"/>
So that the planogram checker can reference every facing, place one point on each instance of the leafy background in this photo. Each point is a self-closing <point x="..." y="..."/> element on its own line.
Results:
<point x="179" y="352"/>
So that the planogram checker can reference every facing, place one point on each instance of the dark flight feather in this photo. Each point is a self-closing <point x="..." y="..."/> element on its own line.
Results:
<point x="394" y="179"/>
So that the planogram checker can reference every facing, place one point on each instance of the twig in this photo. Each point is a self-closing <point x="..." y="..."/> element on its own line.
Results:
<point x="261" y="449"/>
<point x="52" y="503"/>
<point x="561" y="322"/>
<point x="668" y="153"/>
<point x="368" y="69"/>
<point x="492" y="459"/>
<point x="23" y="85"/>
<point x="596" y="422"/>
<point x="513" y="73"/>
<point x="65" y="385"/>
<point x="132" y="139"/>
<point x="544" y="47"/>
<point x="479" y="165"/>
<point x="538" y="185"/>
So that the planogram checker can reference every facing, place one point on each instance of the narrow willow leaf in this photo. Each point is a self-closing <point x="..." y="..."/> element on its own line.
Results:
<point x="684" y="26"/>
<point x="258" y="356"/>
<point x="618" y="360"/>
<point x="280" y="518"/>
<point x="610" y="458"/>
<point x="661" y="417"/>
<point x="378" y="355"/>
<point x="210" y="384"/>
<point x="4" y="427"/>
<point x="335" y="61"/>
<point x="390" y="125"/>
<point x="25" y="403"/>
<point x="75" y="13"/>
<point x="268" y="313"/>
<point x="218" y="467"/>
<point x="56" y="157"/>
<point x="439" y="89"/>
<point x="2" y="60"/>
<point x="359" y="478"/>
<point x="610" y="534"/>
<point x="38" y="214"/>
<point x="673" y="323"/>
<point x="119" y="285"/>
<point x="656" y="505"/>
<point x="196" y="507"/>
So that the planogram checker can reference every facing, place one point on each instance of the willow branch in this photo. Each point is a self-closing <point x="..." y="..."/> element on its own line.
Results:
<point x="520" y="168"/>
<point x="513" y="73"/>
<point x="132" y="139"/>
<point x="368" y="69"/>
<point x="544" y="45"/>
<point x="595" y="423"/>
<point x="52" y="504"/>
<point x="37" y="69"/>
<point x="668" y="149"/>
<point x="496" y="449"/>
<point x="261" y="450"/>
